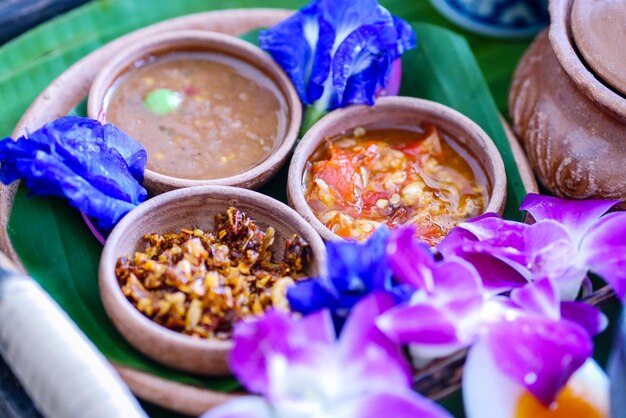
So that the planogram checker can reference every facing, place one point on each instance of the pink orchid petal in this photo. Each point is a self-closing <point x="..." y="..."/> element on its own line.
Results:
<point x="364" y="345"/>
<point x="359" y="328"/>
<point x="542" y="234"/>
<point x="242" y="407"/>
<point x="539" y="353"/>
<point x="456" y="280"/>
<point x="439" y="317"/>
<point x="550" y="252"/>
<point x="253" y="339"/>
<point x="490" y="226"/>
<point x="497" y="276"/>
<point x="397" y="404"/>
<point x="492" y="235"/>
<point x="483" y="234"/>
<point x="525" y="253"/>
<point x="587" y="316"/>
<point x="453" y="242"/>
<point x="500" y="266"/>
<point x="410" y="260"/>
<point x="528" y="247"/>
<point x="276" y="333"/>
<point x="569" y="282"/>
<point x="418" y="324"/>
<point x="609" y="231"/>
<point x="539" y="297"/>
<point x="546" y="241"/>
<point x="604" y="250"/>
<point x="317" y="327"/>
<point x="377" y="367"/>
<point x="576" y="216"/>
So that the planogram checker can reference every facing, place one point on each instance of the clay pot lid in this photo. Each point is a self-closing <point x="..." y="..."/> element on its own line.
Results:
<point x="599" y="31"/>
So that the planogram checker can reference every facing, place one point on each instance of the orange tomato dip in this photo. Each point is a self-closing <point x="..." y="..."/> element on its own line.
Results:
<point x="356" y="183"/>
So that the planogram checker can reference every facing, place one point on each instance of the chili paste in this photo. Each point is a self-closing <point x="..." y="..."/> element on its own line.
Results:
<point x="356" y="183"/>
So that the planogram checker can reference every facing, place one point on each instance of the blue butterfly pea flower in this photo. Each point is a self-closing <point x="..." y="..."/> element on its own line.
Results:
<point x="338" y="52"/>
<point x="97" y="168"/>
<point x="353" y="271"/>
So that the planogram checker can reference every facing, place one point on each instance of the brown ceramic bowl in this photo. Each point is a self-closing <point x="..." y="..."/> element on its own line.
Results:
<point x="184" y="208"/>
<point x="192" y="40"/>
<point x="399" y="112"/>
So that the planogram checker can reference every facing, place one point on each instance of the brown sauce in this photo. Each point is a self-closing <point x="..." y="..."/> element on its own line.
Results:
<point x="356" y="183"/>
<point x="230" y="118"/>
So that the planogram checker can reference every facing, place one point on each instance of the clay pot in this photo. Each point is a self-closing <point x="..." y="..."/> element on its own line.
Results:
<point x="400" y="112"/>
<point x="568" y="113"/>
<point x="195" y="40"/>
<point x="192" y="207"/>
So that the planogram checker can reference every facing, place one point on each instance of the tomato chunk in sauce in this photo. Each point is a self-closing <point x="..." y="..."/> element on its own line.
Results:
<point x="356" y="183"/>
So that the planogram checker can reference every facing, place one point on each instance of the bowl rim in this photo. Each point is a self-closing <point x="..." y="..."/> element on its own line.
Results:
<point x="311" y="141"/>
<point x="107" y="280"/>
<point x="180" y="40"/>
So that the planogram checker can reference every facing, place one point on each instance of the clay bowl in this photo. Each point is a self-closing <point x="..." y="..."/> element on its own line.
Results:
<point x="400" y="112"/>
<point x="184" y="208"/>
<point x="192" y="40"/>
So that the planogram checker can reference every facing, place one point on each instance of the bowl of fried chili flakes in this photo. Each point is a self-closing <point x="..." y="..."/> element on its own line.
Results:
<point x="180" y="270"/>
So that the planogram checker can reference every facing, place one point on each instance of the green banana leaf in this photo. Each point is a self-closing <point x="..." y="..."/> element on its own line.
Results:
<point x="52" y="241"/>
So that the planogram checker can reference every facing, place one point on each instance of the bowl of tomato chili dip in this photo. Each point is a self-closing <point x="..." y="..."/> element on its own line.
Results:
<point x="403" y="161"/>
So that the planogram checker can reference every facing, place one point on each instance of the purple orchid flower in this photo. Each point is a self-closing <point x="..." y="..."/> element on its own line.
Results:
<point x="303" y="370"/>
<point x="541" y="298"/>
<point x="353" y="271"/>
<point x="338" y="52"/>
<point x="569" y="239"/>
<point x="97" y="168"/>
<point x="451" y="310"/>
<point x="445" y="314"/>
<point x="537" y="346"/>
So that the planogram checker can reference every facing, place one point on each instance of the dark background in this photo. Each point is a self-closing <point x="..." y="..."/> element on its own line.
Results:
<point x="17" y="16"/>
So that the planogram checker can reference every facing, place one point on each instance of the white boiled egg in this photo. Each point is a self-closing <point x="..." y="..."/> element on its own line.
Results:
<point x="488" y="393"/>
